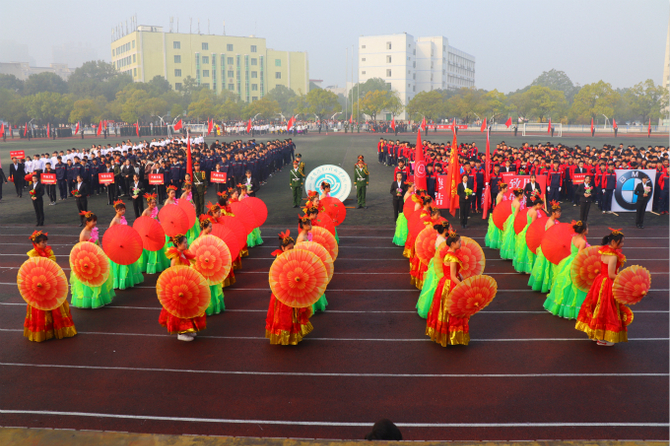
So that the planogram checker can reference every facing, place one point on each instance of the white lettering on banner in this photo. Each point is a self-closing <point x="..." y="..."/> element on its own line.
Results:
<point x="337" y="177"/>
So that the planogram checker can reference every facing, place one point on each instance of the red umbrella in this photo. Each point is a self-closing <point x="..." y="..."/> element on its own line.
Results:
<point x="408" y="207"/>
<point x="335" y="208"/>
<point x="174" y="220"/>
<point x="327" y="240"/>
<point x="188" y="208"/>
<point x="535" y="233"/>
<point x="245" y="215"/>
<point x="89" y="264"/>
<point x="520" y="220"/>
<point x="152" y="233"/>
<point x="298" y="278"/>
<point x="259" y="209"/>
<point x="229" y="237"/>
<point x="122" y="244"/>
<point x="323" y="220"/>
<point x="501" y="212"/>
<point x="556" y="242"/>
<point x="183" y="292"/>
<point x="322" y="254"/>
<point x="235" y="225"/>
<point x="42" y="283"/>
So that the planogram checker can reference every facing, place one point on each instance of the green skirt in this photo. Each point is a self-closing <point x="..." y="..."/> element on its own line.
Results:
<point x="523" y="257"/>
<point x="337" y="238"/>
<point x="542" y="275"/>
<point x="565" y="299"/>
<point x="216" y="304"/>
<point x="508" y="245"/>
<point x="126" y="276"/>
<point x="254" y="238"/>
<point x="86" y="297"/>
<point x="493" y="237"/>
<point x="427" y="292"/>
<point x="401" y="230"/>
<point x="320" y="304"/>
<point x="155" y="261"/>
<point x="194" y="232"/>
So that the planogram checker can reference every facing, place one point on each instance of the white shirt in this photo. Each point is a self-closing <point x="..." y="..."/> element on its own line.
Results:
<point x="79" y="185"/>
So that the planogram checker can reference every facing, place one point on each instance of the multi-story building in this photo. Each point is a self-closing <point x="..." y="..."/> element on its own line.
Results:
<point x="23" y="70"/>
<point x="243" y="65"/>
<point x="412" y="65"/>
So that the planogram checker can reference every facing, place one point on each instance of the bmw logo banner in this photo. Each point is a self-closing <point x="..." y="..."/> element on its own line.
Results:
<point x="624" y="198"/>
<point x="338" y="178"/>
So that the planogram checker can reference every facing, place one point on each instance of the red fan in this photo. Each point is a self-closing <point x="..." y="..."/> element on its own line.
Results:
<point x="408" y="207"/>
<point x="89" y="264"/>
<point x="585" y="267"/>
<point x="501" y="212"/>
<point x="535" y="233"/>
<point x="183" y="292"/>
<point x="631" y="285"/>
<point x="321" y="253"/>
<point x="122" y="244"/>
<point x="556" y="242"/>
<point x="298" y="278"/>
<point x="173" y="220"/>
<point x="323" y="220"/>
<point x="152" y="233"/>
<point x="245" y="215"/>
<point x="42" y="283"/>
<point x="325" y="239"/>
<point x="335" y="208"/>
<point x="424" y="245"/>
<point x="472" y="256"/>
<point x="259" y="209"/>
<point x="235" y="224"/>
<point x="229" y="237"/>
<point x="189" y="210"/>
<point x="626" y="315"/>
<point x="212" y="258"/>
<point x="520" y="220"/>
<point x="471" y="296"/>
<point x="28" y="177"/>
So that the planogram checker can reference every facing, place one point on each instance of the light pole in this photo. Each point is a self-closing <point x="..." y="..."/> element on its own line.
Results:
<point x="606" y="119"/>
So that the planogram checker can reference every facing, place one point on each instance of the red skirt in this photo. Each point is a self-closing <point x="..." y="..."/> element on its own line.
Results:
<point x="601" y="317"/>
<point x="178" y="325"/>
<point x="41" y="325"/>
<point x="285" y="325"/>
<point x="441" y="326"/>
<point x="417" y="270"/>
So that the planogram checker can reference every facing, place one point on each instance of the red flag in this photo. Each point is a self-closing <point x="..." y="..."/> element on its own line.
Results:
<point x="487" y="177"/>
<point x="99" y="129"/>
<point x="508" y="122"/>
<point x="483" y="126"/>
<point x="591" y="125"/>
<point x="189" y="165"/>
<point x="249" y="126"/>
<point x="453" y="173"/>
<point x="25" y="130"/>
<point x="649" y="129"/>
<point x="351" y="119"/>
<point x="178" y="126"/>
<point x="137" y="128"/>
<point x="2" y="129"/>
<point x="419" y="164"/>
<point x="290" y="123"/>
<point x="76" y="130"/>
<point x="614" y="126"/>
<point x="393" y="123"/>
<point x="210" y="126"/>
<point x="423" y="124"/>
<point x="48" y="130"/>
<point x="549" y="127"/>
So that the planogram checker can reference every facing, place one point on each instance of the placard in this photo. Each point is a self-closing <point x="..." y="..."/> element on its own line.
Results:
<point x="578" y="178"/>
<point x="48" y="178"/>
<point x="218" y="177"/>
<point x="441" y="192"/>
<point x="624" y="198"/>
<point x="106" y="177"/>
<point x="17" y="154"/>
<point x="515" y="181"/>
<point x="156" y="179"/>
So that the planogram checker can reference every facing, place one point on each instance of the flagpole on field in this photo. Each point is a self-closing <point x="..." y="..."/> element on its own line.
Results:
<point x="487" y="176"/>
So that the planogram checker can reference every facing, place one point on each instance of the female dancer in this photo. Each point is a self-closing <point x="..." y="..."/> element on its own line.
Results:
<point x="430" y="279"/>
<point x="416" y="268"/>
<point x="171" y="195"/>
<point x="254" y="237"/>
<point x="125" y="276"/>
<point x="541" y="277"/>
<point x="523" y="258"/>
<point x="305" y="225"/>
<point x="42" y="325"/>
<point x="216" y="304"/>
<point x="508" y="244"/>
<point x="493" y="237"/>
<point x="441" y="326"/>
<point x="154" y="261"/>
<point x="401" y="230"/>
<point x="601" y="317"/>
<point x="188" y="193"/>
<point x="84" y="296"/>
<point x="565" y="299"/>
<point x="285" y="325"/>
<point x="234" y="197"/>
<point x="325" y="190"/>
<point x="186" y="329"/>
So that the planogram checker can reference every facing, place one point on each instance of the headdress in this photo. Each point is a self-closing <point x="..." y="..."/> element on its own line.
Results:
<point x="304" y="219"/>
<point x="119" y="203"/>
<point x="577" y="223"/>
<point x="172" y="187"/>
<point x="502" y="185"/>
<point x="86" y="214"/>
<point x="286" y="237"/>
<point x="175" y="238"/>
<point x="518" y="189"/>
<point x="187" y="183"/>
<point x="452" y="233"/>
<point x="231" y="190"/>
<point x="325" y="185"/>
<point x="309" y="207"/>
<point x="555" y="205"/>
<point x="222" y="194"/>
<point x="312" y="193"/>
<point x="204" y="217"/>
<point x="150" y="197"/>
<point x="616" y="231"/>
<point x="212" y="207"/>
<point x="35" y="234"/>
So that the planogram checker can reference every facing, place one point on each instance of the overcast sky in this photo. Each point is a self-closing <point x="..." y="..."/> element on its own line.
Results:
<point x="619" y="41"/>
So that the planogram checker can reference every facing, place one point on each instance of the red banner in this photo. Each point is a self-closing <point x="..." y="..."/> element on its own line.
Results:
<point x="106" y="177"/>
<point x="515" y="181"/>
<point x="448" y="127"/>
<point x="48" y="178"/>
<point x="218" y="177"/>
<point x="17" y="154"/>
<point x="578" y="178"/>
<point x="156" y="179"/>
<point x="441" y="192"/>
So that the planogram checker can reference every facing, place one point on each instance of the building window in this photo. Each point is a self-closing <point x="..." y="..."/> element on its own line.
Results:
<point x="363" y="59"/>
<point x="134" y="56"/>
<point x="177" y="86"/>
<point x="229" y="47"/>
<point x="388" y="59"/>
<point x="231" y="73"/>
<point x="277" y="62"/>
<point x="177" y="72"/>
<point x="362" y="72"/>
<point x="363" y="46"/>
<point x="254" y="98"/>
<point x="254" y="87"/>
<point x="205" y="59"/>
<point x="176" y="45"/>
<point x="388" y="45"/>
<point x="254" y="74"/>
<point x="254" y="49"/>
<point x="133" y="44"/>
<point x="254" y="61"/>
<point x="205" y="45"/>
<point x="231" y="87"/>
<point x="177" y="58"/>
<point x="277" y="75"/>
<point x="134" y="71"/>
<point x="206" y="85"/>
<point x="231" y="61"/>
<point x="388" y="73"/>
<point x="205" y="73"/>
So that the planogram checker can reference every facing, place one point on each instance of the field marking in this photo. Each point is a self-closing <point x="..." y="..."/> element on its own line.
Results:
<point x="339" y="375"/>
<point x="325" y="423"/>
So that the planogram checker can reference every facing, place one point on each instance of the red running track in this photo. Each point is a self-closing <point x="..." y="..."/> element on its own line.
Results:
<point x="526" y="375"/>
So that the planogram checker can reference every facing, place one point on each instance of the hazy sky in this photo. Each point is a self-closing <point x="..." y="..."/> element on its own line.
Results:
<point x="620" y="42"/>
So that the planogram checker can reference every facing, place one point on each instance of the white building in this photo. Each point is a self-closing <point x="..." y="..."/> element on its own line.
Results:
<point x="412" y="65"/>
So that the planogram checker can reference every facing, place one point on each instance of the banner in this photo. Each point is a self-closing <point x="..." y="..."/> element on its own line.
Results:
<point x="441" y="192"/>
<point x="106" y="177"/>
<point x="17" y="154"/>
<point x="578" y="178"/>
<point x="218" y="177"/>
<point x="48" y="178"/>
<point x="515" y="181"/>
<point x="624" y="198"/>
<point x="338" y="178"/>
<point x="448" y="126"/>
<point x="156" y="179"/>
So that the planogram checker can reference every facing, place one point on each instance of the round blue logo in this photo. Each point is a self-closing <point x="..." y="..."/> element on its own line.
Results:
<point x="338" y="178"/>
<point x="625" y="188"/>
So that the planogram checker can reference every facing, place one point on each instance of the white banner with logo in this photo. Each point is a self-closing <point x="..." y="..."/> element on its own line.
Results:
<point x="337" y="177"/>
<point x="624" y="198"/>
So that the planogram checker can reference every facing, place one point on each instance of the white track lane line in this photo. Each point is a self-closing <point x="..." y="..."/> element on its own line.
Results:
<point x="327" y="423"/>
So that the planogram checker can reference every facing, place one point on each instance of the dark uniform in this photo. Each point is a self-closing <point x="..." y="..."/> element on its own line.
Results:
<point x="296" y="182"/>
<point x="199" y="190"/>
<point x="361" y="180"/>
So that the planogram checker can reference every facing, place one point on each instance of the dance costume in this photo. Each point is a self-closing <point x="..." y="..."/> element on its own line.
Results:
<point x="565" y="299"/>
<point x="508" y="244"/>
<point x="430" y="281"/>
<point x="41" y="325"/>
<point x="86" y="297"/>
<point x="494" y="235"/>
<point x="178" y="325"/>
<point x="194" y="231"/>
<point x="417" y="268"/>
<point x="542" y="275"/>
<point x="126" y="276"/>
<point x="523" y="257"/>
<point x="401" y="230"/>
<point x="601" y="317"/>
<point x="156" y="261"/>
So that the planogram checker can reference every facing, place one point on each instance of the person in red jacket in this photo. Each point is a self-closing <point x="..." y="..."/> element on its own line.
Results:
<point x="663" y="185"/>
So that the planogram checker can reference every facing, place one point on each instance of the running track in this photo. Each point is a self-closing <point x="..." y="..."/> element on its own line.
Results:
<point x="526" y="375"/>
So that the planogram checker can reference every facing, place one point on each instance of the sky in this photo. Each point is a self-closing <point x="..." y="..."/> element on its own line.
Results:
<point x="619" y="41"/>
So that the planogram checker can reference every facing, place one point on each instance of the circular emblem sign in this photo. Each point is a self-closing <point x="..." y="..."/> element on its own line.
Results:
<point x="625" y="189"/>
<point x="338" y="178"/>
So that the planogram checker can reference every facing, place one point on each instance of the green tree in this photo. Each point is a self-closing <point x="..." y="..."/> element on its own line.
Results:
<point x="97" y="78"/>
<point x="283" y="95"/>
<point x="554" y="80"/>
<point x="264" y="107"/>
<point x="646" y="100"/>
<point x="49" y="107"/>
<point x="38" y="83"/>
<point x="12" y="107"/>
<point x="11" y="83"/>
<point x="322" y="103"/>
<point x="230" y="110"/>
<point x="204" y="104"/>
<point x="540" y="103"/>
<point x="374" y="102"/>
<point x="372" y="84"/>
<point x="158" y="85"/>
<point x="495" y="105"/>
<point x="426" y="103"/>
<point x="132" y="103"/>
<point x="592" y="101"/>
<point x="467" y="103"/>
<point x="85" y="110"/>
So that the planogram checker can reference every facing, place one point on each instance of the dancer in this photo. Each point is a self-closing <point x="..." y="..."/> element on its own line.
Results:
<point x="285" y="325"/>
<point x="305" y="225"/>
<point x="401" y="230"/>
<point x="523" y="257"/>
<point x="125" y="276"/>
<point x="601" y="317"/>
<point x="171" y="195"/>
<point x="325" y="190"/>
<point x="441" y="326"/>
<point x="186" y="329"/>
<point x="493" y="237"/>
<point x="216" y="303"/>
<point x="541" y="277"/>
<point x="154" y="261"/>
<point x="565" y="299"/>
<point x="508" y="245"/>
<point x="415" y="265"/>
<point x="42" y="325"/>
<point x="430" y="280"/>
